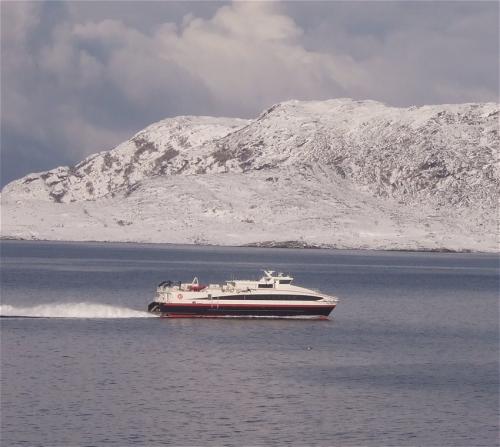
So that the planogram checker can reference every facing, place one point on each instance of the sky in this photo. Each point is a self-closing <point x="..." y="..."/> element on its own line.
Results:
<point x="81" y="77"/>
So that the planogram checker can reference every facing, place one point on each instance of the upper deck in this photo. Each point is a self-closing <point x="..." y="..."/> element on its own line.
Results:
<point x="271" y="286"/>
<point x="270" y="280"/>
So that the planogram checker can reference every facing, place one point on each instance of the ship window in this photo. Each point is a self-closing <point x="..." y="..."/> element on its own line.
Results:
<point x="285" y="281"/>
<point x="265" y="286"/>
<point x="258" y="297"/>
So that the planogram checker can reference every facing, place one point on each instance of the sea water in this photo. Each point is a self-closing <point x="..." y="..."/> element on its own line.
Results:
<point x="409" y="357"/>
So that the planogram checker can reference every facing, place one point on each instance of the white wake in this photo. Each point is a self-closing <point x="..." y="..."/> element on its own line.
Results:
<point x="72" y="310"/>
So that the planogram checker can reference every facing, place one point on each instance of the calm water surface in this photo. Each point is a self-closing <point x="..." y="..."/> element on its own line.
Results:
<point x="410" y="356"/>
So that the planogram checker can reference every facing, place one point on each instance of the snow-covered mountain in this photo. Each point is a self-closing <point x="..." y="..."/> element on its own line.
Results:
<point x="338" y="173"/>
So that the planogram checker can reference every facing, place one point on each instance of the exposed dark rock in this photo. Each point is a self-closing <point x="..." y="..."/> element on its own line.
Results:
<point x="131" y="188"/>
<point x="282" y="244"/>
<point x="185" y="164"/>
<point x="183" y="141"/>
<point x="264" y="166"/>
<point x="108" y="161"/>
<point x="57" y="196"/>
<point x="123" y="223"/>
<point x="128" y="170"/>
<point x="339" y="171"/>
<point x="222" y="155"/>
<point x="90" y="187"/>
<point x="165" y="158"/>
<point x="143" y="145"/>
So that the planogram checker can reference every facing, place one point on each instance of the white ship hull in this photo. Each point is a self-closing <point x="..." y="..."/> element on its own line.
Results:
<point x="272" y="296"/>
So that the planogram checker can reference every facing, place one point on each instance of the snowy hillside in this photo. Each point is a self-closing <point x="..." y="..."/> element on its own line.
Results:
<point x="325" y="173"/>
<point x="160" y="149"/>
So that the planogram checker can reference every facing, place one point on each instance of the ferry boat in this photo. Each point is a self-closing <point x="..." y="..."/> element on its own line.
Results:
<point x="273" y="295"/>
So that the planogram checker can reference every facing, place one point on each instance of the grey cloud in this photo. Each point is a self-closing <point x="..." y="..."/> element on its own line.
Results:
<point x="144" y="16"/>
<point x="81" y="89"/>
<point x="414" y="52"/>
<point x="28" y="154"/>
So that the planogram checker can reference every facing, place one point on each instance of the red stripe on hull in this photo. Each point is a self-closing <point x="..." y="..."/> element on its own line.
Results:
<point x="236" y="317"/>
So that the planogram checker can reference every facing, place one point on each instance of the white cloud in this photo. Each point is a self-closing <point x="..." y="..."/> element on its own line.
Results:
<point x="249" y="55"/>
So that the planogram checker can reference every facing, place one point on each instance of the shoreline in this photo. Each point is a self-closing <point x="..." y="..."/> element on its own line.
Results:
<point x="283" y="245"/>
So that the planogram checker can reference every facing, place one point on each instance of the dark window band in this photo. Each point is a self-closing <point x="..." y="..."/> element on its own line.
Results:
<point x="269" y="297"/>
